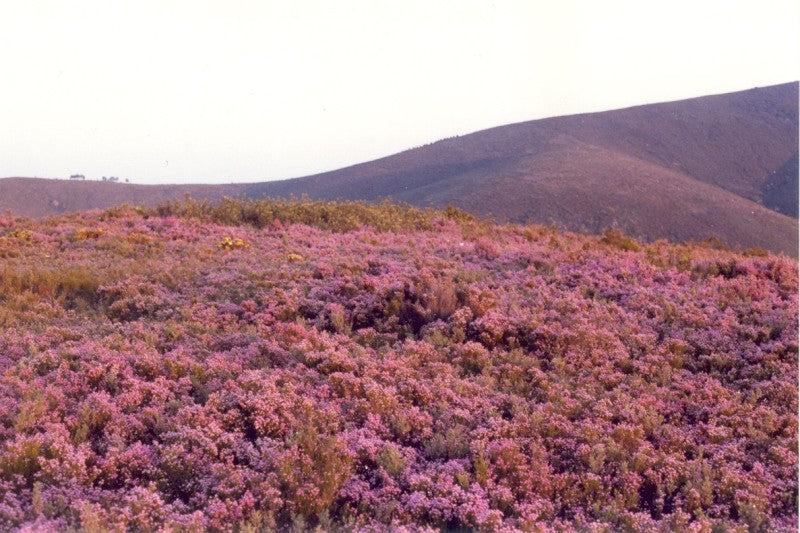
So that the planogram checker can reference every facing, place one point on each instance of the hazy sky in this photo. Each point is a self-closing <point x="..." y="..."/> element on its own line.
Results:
<point x="174" y="91"/>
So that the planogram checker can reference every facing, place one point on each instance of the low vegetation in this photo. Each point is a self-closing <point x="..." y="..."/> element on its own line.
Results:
<point x="333" y="216"/>
<point x="275" y="365"/>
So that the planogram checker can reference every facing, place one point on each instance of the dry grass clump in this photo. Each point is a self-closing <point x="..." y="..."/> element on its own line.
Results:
<point x="67" y="285"/>
<point x="338" y="216"/>
<point x="82" y="234"/>
<point x="617" y="239"/>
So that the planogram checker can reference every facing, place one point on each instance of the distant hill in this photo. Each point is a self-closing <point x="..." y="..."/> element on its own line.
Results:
<point x="38" y="197"/>
<point x="710" y="166"/>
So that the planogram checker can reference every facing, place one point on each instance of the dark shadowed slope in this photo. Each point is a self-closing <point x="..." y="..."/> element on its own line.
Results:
<point x="734" y="141"/>
<point x="716" y="165"/>
<point x="780" y="190"/>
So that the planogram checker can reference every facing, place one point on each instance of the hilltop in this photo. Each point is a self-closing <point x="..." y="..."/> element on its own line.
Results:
<point x="722" y="166"/>
<point x="276" y="365"/>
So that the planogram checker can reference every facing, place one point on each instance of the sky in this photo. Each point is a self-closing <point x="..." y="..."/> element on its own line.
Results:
<point x="177" y="91"/>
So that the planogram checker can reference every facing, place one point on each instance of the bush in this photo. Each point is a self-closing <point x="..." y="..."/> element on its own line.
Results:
<point x="617" y="239"/>
<point x="82" y="234"/>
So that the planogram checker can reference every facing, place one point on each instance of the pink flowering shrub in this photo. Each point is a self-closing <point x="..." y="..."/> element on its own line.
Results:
<point x="369" y="368"/>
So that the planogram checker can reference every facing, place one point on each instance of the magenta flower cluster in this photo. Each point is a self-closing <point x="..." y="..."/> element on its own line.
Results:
<point x="503" y="378"/>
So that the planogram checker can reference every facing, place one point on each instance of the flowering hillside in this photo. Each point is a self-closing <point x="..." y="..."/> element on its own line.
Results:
<point x="269" y="365"/>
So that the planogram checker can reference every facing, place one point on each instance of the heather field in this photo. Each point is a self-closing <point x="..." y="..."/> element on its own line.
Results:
<point x="258" y="366"/>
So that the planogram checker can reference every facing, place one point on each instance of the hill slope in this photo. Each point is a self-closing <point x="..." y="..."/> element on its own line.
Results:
<point x="678" y="170"/>
<point x="711" y="166"/>
<point x="734" y="141"/>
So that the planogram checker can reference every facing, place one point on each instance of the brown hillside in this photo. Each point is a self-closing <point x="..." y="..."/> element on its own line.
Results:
<point x="677" y="170"/>
<point x="734" y="141"/>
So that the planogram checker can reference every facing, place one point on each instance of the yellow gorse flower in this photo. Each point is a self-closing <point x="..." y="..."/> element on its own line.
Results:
<point x="230" y="243"/>
<point x="83" y="234"/>
<point x="21" y="234"/>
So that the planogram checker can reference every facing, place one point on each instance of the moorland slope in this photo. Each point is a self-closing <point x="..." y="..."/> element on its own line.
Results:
<point x="263" y="366"/>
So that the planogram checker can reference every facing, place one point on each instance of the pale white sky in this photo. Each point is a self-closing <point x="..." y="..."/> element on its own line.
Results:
<point x="219" y="91"/>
